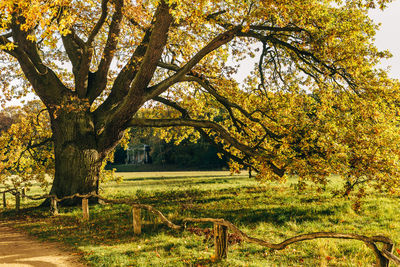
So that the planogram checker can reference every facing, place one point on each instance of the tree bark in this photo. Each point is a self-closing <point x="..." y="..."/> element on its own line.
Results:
<point x="77" y="170"/>
<point x="78" y="158"/>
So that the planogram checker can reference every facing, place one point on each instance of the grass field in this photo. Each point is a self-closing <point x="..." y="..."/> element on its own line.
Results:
<point x="270" y="211"/>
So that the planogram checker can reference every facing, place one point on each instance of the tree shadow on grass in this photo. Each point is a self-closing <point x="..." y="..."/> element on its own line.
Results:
<point x="112" y="225"/>
<point x="167" y="178"/>
<point x="275" y="215"/>
<point x="175" y="197"/>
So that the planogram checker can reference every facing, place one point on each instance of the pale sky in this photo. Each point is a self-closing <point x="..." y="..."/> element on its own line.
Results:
<point x="388" y="36"/>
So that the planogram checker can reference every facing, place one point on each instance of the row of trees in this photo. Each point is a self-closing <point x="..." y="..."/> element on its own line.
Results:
<point x="314" y="105"/>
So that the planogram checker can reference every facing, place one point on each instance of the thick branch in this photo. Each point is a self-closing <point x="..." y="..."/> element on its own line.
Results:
<point x="43" y="80"/>
<point x="214" y="44"/>
<point x="6" y="35"/>
<point x="388" y="255"/>
<point x="80" y="56"/>
<point x="123" y="80"/>
<point x="99" y="81"/>
<point x="74" y="46"/>
<point x="136" y="24"/>
<point x="153" y="53"/>
<point x="114" y="117"/>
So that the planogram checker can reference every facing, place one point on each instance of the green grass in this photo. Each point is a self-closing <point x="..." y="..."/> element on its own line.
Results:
<point x="270" y="211"/>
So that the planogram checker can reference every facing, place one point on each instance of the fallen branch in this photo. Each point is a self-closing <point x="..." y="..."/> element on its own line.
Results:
<point x="381" y="256"/>
<point x="390" y="256"/>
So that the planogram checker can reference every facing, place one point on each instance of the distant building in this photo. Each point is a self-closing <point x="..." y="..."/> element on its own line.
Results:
<point x="139" y="154"/>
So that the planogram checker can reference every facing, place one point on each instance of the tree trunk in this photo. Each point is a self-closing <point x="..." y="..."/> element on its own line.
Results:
<point x="77" y="170"/>
<point x="78" y="158"/>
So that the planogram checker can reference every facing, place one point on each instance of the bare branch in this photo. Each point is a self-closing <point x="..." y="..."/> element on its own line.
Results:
<point x="369" y="241"/>
<point x="43" y="142"/>
<point x="215" y="14"/>
<point x="168" y="66"/>
<point x="228" y="104"/>
<point x="305" y="56"/>
<point x="191" y="123"/>
<point x="167" y="102"/>
<point x="185" y="114"/>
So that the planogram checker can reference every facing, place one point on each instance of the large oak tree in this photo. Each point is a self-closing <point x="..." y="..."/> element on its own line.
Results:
<point x="102" y="66"/>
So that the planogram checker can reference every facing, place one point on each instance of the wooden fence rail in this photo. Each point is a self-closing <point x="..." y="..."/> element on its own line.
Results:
<point x="221" y="226"/>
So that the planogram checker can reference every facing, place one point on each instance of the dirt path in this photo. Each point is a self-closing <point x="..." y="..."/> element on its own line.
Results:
<point x="19" y="249"/>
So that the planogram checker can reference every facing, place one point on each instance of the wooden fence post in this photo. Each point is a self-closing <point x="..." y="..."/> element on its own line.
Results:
<point x="53" y="208"/>
<point x="137" y="221"/>
<point x="220" y="241"/>
<point x="23" y="193"/>
<point x="17" y="200"/>
<point x="4" y="200"/>
<point x="85" y="209"/>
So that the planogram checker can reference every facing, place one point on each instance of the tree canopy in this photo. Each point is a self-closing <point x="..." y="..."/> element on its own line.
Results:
<point x="314" y="104"/>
